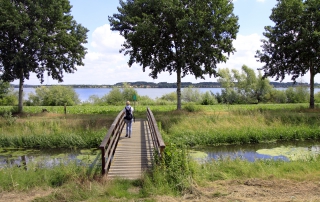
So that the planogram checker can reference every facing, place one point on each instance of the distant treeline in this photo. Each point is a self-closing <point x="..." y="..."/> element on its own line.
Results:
<point x="143" y="84"/>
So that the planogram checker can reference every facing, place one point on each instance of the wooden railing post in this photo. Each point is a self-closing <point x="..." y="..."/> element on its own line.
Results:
<point x="110" y="142"/>
<point x="155" y="134"/>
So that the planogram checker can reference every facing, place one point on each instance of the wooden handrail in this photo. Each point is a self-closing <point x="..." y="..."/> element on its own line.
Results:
<point x="110" y="142"/>
<point x="157" y="140"/>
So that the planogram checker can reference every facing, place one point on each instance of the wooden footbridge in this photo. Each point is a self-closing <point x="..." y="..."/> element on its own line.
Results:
<point x="129" y="158"/>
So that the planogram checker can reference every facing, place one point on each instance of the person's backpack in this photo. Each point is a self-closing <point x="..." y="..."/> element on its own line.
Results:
<point x="128" y="114"/>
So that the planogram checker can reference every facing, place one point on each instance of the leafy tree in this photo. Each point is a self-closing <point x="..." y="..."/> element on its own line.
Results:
<point x="293" y="44"/>
<point x="4" y="88"/>
<point x="182" y="36"/>
<point x="38" y="36"/>
<point x="7" y="94"/>
<point x="53" y="96"/>
<point x="263" y="87"/>
<point x="227" y="81"/>
<point x="243" y="87"/>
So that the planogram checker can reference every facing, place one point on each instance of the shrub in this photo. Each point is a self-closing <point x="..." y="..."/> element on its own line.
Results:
<point x="53" y="96"/>
<point x="171" y="97"/>
<point x="208" y="98"/>
<point x="128" y="92"/>
<point x="114" y="97"/>
<point x="191" y="107"/>
<point x="191" y="94"/>
<point x="230" y="96"/>
<point x="297" y="94"/>
<point x="317" y="97"/>
<point x="276" y="96"/>
<point x="7" y="94"/>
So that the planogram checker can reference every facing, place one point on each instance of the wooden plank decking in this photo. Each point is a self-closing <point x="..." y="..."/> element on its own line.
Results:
<point x="133" y="156"/>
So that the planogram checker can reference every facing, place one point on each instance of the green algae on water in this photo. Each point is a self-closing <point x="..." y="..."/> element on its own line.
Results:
<point x="293" y="153"/>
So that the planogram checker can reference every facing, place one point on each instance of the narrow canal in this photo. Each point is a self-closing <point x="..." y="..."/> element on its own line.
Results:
<point x="286" y="151"/>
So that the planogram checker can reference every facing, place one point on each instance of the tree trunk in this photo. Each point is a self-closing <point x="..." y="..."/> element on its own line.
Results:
<point x="179" y="88"/>
<point x="20" y="106"/>
<point x="311" y="106"/>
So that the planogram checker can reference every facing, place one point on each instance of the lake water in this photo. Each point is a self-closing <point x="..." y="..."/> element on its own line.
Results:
<point x="153" y="93"/>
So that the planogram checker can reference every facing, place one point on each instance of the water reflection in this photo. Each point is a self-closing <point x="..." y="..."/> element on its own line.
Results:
<point x="10" y="157"/>
<point x="249" y="151"/>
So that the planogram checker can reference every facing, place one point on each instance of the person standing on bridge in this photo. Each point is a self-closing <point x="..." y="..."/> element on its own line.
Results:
<point x="128" y="118"/>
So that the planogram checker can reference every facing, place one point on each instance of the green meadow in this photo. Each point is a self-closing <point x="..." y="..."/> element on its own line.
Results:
<point x="83" y="127"/>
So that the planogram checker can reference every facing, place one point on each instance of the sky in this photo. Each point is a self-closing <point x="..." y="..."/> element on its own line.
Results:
<point x="105" y="65"/>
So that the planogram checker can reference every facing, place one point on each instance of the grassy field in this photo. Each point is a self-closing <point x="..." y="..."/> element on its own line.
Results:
<point x="178" y="175"/>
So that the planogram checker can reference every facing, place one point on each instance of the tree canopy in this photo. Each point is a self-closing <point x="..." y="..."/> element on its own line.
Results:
<point x="292" y="45"/>
<point x="38" y="36"/>
<point x="182" y="36"/>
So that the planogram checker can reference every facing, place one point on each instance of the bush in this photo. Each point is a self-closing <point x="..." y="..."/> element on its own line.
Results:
<point x="114" y="97"/>
<point x="191" y="107"/>
<point x="317" y="97"/>
<point x="191" y="94"/>
<point x="276" y="96"/>
<point x="171" y="97"/>
<point x="53" y="96"/>
<point x="145" y="100"/>
<point x="208" y="99"/>
<point x="299" y="94"/>
<point x="230" y="96"/>
<point x="128" y="92"/>
<point x="7" y="94"/>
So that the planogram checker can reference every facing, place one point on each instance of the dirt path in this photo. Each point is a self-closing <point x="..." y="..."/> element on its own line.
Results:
<point x="253" y="190"/>
<point x="250" y="190"/>
<point x="23" y="196"/>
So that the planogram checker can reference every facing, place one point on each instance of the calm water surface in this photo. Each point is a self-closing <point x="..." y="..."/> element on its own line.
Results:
<point x="249" y="151"/>
<point x="48" y="158"/>
<point x="10" y="157"/>
<point x="153" y="93"/>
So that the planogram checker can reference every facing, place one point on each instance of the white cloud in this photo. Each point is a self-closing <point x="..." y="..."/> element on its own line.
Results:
<point x="105" y="65"/>
<point x="105" y="40"/>
<point x="246" y="47"/>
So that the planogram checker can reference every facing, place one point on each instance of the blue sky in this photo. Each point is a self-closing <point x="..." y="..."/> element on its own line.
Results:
<point x="105" y="65"/>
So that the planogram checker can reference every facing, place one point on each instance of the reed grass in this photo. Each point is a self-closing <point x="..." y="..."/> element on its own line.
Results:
<point x="227" y="169"/>
<point x="54" y="130"/>
<point x="240" y="126"/>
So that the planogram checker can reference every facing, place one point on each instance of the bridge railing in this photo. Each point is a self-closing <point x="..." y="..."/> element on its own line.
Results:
<point x="156" y="137"/>
<point x="109" y="143"/>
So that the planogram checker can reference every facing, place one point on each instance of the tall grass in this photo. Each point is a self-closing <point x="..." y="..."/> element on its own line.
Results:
<point x="240" y="126"/>
<point x="51" y="131"/>
<point x="22" y="179"/>
<point x="227" y="169"/>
